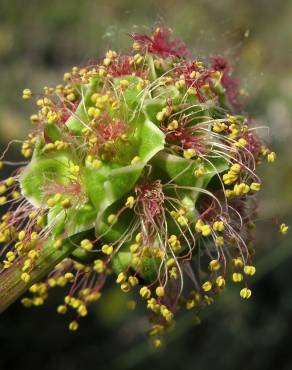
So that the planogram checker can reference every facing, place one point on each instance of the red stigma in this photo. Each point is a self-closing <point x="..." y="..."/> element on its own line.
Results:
<point x="109" y="129"/>
<point x="161" y="44"/>
<point x="121" y="66"/>
<point x="184" y="137"/>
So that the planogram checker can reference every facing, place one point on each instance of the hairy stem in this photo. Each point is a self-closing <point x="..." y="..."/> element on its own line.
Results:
<point x="12" y="287"/>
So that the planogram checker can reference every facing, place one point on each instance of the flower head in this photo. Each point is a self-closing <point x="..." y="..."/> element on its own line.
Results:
<point x="138" y="166"/>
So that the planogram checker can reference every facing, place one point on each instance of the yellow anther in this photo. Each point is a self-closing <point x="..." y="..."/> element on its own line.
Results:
<point x="34" y="118"/>
<point x="66" y="203"/>
<point x="237" y="277"/>
<point x="112" y="219"/>
<point x="255" y="186"/>
<point x="180" y="83"/>
<point x="130" y="202"/>
<point x="249" y="270"/>
<point x="96" y="164"/>
<point x="271" y="157"/>
<point x="33" y="288"/>
<point x="67" y="76"/>
<point x="206" y="230"/>
<point x="2" y="188"/>
<point x="51" y="202"/>
<point x="284" y="229"/>
<point x="138" y="58"/>
<point x="107" y="61"/>
<point x="58" y="244"/>
<point x="173" y="273"/>
<point x="237" y="262"/>
<point x="61" y="281"/>
<point x="69" y="276"/>
<point x="91" y="111"/>
<point x="99" y="266"/>
<point x="207" y="286"/>
<point x="73" y="326"/>
<point x="214" y="265"/>
<point x="245" y="293"/>
<point x="160" y="116"/>
<point x="166" y="313"/>
<point x="1" y="164"/>
<point x="219" y="127"/>
<point x="26" y="302"/>
<point x="82" y="310"/>
<point x="153" y="305"/>
<point x="102" y="71"/>
<point x="52" y="117"/>
<point x="220" y="281"/>
<point x="34" y="236"/>
<point x="229" y="193"/>
<point x="33" y="254"/>
<point x="170" y="262"/>
<point x="125" y="287"/>
<point x="218" y="226"/>
<point x="94" y="112"/>
<point x="190" y="303"/>
<point x="156" y="343"/>
<point x="189" y="153"/>
<point x="26" y="94"/>
<point x="10" y="181"/>
<point x="240" y="143"/>
<point x="3" y="200"/>
<point x="25" y="277"/>
<point x="192" y="91"/>
<point x="111" y="54"/>
<point x="182" y="220"/>
<point x="71" y="97"/>
<point x="15" y="195"/>
<point x="32" y="215"/>
<point x="241" y="189"/>
<point x="124" y="84"/>
<point x="229" y="178"/>
<point x="10" y="256"/>
<point x="199" y="171"/>
<point x="235" y="168"/>
<point x="136" y="46"/>
<point x="57" y="197"/>
<point x="38" y="301"/>
<point x="94" y="97"/>
<point x="133" y="280"/>
<point x="198" y="226"/>
<point x="174" y="243"/>
<point x="145" y="292"/>
<point x="62" y="309"/>
<point x="122" y="277"/>
<point x="135" y="160"/>
<point x="160" y="291"/>
<point x="26" y="153"/>
<point x="107" y="249"/>
<point x="86" y="244"/>
<point x="134" y="248"/>
<point x="173" y="125"/>
<point x="21" y="235"/>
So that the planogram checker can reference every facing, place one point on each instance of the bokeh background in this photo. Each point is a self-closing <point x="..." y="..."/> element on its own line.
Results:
<point x="39" y="40"/>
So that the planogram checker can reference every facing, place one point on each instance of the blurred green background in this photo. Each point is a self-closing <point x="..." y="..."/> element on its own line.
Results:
<point x="39" y="40"/>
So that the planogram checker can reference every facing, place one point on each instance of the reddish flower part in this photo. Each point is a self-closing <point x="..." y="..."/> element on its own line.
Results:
<point x="230" y="84"/>
<point x="121" y="66"/>
<point x="161" y="44"/>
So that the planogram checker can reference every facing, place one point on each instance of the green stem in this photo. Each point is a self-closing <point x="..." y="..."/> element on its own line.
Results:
<point x="12" y="287"/>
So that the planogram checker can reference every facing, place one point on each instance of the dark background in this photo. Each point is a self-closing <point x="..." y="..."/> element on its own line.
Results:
<point x="39" y="40"/>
